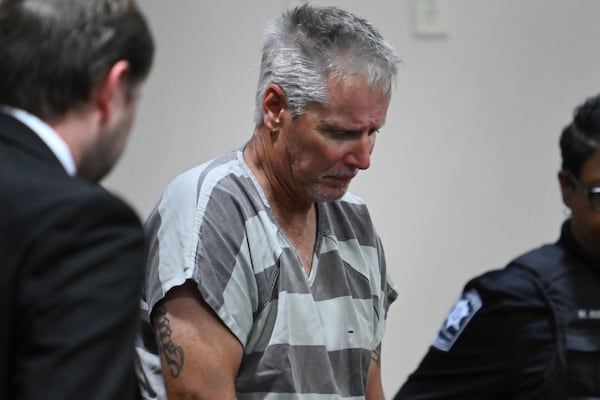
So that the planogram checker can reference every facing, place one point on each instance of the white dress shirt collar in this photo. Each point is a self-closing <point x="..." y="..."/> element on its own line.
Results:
<point x="48" y="136"/>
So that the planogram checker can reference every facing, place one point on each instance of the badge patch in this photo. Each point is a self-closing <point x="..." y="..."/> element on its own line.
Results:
<point x="457" y="320"/>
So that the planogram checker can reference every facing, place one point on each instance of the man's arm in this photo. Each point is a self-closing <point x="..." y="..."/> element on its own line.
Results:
<point x="200" y="356"/>
<point x="374" y="386"/>
<point x="498" y="340"/>
<point x="80" y="298"/>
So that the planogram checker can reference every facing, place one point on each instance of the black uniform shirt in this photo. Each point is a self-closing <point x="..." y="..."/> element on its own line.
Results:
<point x="501" y="341"/>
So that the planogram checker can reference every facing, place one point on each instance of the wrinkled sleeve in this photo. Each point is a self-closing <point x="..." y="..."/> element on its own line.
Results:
<point x="197" y="232"/>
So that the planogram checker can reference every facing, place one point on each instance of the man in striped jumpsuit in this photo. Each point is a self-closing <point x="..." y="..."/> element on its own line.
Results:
<point x="266" y="278"/>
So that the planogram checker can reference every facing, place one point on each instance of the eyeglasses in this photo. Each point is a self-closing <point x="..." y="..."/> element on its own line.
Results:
<point x="593" y="193"/>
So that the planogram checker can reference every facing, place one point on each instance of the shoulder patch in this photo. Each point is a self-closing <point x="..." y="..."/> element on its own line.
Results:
<point x="457" y="320"/>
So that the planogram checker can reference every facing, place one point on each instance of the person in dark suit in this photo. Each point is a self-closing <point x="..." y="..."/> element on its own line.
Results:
<point x="71" y="254"/>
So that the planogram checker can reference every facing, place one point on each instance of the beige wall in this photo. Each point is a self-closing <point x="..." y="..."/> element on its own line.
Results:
<point x="464" y="172"/>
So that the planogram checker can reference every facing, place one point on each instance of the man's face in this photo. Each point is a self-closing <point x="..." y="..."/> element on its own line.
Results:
<point x="104" y="152"/>
<point x="585" y="220"/>
<point x="325" y="148"/>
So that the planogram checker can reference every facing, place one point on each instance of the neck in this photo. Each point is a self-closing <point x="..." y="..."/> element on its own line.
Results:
<point x="297" y="219"/>
<point x="286" y="204"/>
<point x="78" y="129"/>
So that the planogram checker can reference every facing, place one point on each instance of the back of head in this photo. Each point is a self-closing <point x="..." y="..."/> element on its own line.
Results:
<point x="54" y="51"/>
<point x="306" y="45"/>
<point x="581" y="138"/>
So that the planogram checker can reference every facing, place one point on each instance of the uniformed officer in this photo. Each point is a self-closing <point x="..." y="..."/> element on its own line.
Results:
<point x="532" y="329"/>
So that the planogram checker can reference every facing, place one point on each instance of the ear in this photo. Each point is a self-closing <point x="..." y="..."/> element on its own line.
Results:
<point x="566" y="186"/>
<point x="274" y="103"/>
<point x="112" y="89"/>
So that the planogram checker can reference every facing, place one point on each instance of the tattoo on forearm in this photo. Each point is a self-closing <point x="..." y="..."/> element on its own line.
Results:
<point x="376" y="356"/>
<point x="173" y="354"/>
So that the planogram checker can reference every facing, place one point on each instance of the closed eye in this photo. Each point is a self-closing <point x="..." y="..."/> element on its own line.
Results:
<point x="347" y="134"/>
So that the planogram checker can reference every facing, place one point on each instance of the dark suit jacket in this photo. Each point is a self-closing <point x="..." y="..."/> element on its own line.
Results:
<point x="71" y="267"/>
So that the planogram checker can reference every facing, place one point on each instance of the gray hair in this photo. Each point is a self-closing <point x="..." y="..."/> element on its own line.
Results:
<point x="308" y="44"/>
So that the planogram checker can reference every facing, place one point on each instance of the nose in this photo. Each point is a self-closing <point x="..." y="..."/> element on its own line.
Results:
<point x="360" y="153"/>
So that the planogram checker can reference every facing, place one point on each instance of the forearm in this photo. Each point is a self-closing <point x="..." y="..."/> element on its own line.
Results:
<point x="374" y="385"/>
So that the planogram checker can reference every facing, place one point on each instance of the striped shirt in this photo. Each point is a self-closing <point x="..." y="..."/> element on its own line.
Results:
<point x="304" y="336"/>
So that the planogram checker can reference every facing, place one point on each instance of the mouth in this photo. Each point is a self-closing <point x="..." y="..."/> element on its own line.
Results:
<point x="342" y="178"/>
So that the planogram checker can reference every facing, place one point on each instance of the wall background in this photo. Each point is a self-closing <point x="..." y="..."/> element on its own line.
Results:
<point x="463" y="176"/>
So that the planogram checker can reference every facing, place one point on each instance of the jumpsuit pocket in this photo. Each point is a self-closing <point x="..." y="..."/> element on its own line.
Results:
<point x="583" y="364"/>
